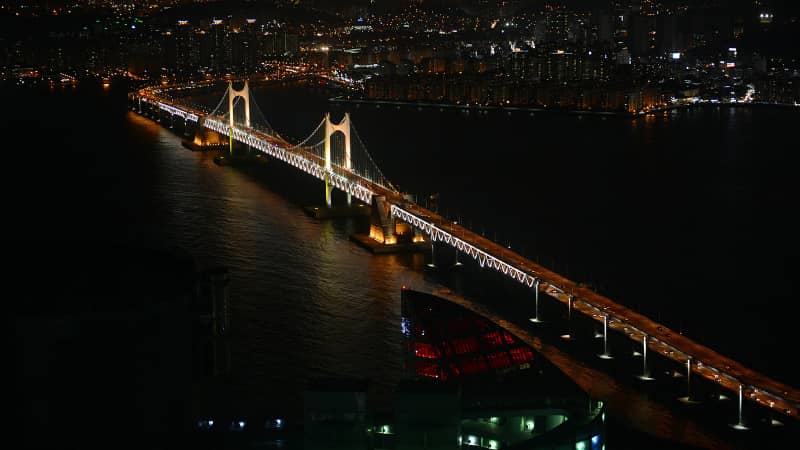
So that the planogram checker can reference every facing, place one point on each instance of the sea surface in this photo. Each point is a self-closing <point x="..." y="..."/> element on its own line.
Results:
<point x="687" y="216"/>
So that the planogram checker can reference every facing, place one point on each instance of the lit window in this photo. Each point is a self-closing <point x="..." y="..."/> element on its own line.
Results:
<point x="205" y="423"/>
<point x="528" y="425"/>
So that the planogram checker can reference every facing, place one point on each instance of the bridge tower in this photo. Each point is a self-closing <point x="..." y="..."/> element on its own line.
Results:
<point x="244" y="93"/>
<point x="330" y="128"/>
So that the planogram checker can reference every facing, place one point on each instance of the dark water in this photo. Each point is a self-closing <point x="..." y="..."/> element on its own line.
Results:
<point x="688" y="217"/>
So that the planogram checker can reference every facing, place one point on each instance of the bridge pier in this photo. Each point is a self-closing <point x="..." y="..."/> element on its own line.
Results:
<point x="388" y="235"/>
<point x="740" y="424"/>
<point x="645" y="370"/>
<point x="432" y="264"/>
<point x="688" y="399"/>
<point x="568" y="335"/>
<point x="418" y="236"/>
<point x="536" y="318"/>
<point x="457" y="263"/>
<point x="328" y="190"/>
<point x="605" y="354"/>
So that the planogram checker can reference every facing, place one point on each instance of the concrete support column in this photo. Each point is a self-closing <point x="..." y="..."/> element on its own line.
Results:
<point x="605" y="354"/>
<point x="568" y="334"/>
<point x="645" y="370"/>
<point x="740" y="424"/>
<point x="741" y="395"/>
<point x="569" y="309"/>
<point x="328" y="190"/>
<point x="536" y="318"/>
<point x="740" y="402"/>
<point x="688" y="399"/>
<point x="432" y="264"/>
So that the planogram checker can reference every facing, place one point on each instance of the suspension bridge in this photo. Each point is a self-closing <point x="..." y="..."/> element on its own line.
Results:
<point x="336" y="155"/>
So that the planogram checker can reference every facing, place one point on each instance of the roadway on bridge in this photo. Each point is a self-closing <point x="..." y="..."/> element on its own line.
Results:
<point x="704" y="361"/>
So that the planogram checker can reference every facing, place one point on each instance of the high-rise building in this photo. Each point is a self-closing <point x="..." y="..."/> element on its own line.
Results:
<point x="643" y="34"/>
<point x="556" y="24"/>
<point x="605" y="27"/>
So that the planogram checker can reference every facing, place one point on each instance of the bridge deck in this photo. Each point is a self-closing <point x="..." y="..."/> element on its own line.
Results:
<point x="705" y="362"/>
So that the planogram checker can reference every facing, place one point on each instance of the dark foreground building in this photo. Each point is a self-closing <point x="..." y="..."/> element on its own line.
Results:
<point x="105" y="344"/>
<point x="469" y="384"/>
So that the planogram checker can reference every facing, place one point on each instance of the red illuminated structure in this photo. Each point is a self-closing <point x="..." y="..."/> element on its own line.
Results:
<point x="444" y="341"/>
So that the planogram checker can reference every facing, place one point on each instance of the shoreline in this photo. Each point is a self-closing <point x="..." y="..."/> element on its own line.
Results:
<point x="533" y="109"/>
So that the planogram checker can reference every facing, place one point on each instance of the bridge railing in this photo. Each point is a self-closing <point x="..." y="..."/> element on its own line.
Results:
<point x="305" y="162"/>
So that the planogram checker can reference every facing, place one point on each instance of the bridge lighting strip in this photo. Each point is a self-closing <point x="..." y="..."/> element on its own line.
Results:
<point x="178" y="112"/>
<point x="483" y="258"/>
<point x="293" y="158"/>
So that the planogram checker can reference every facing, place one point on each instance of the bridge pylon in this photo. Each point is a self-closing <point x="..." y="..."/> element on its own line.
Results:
<point x="330" y="128"/>
<point x="244" y="93"/>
